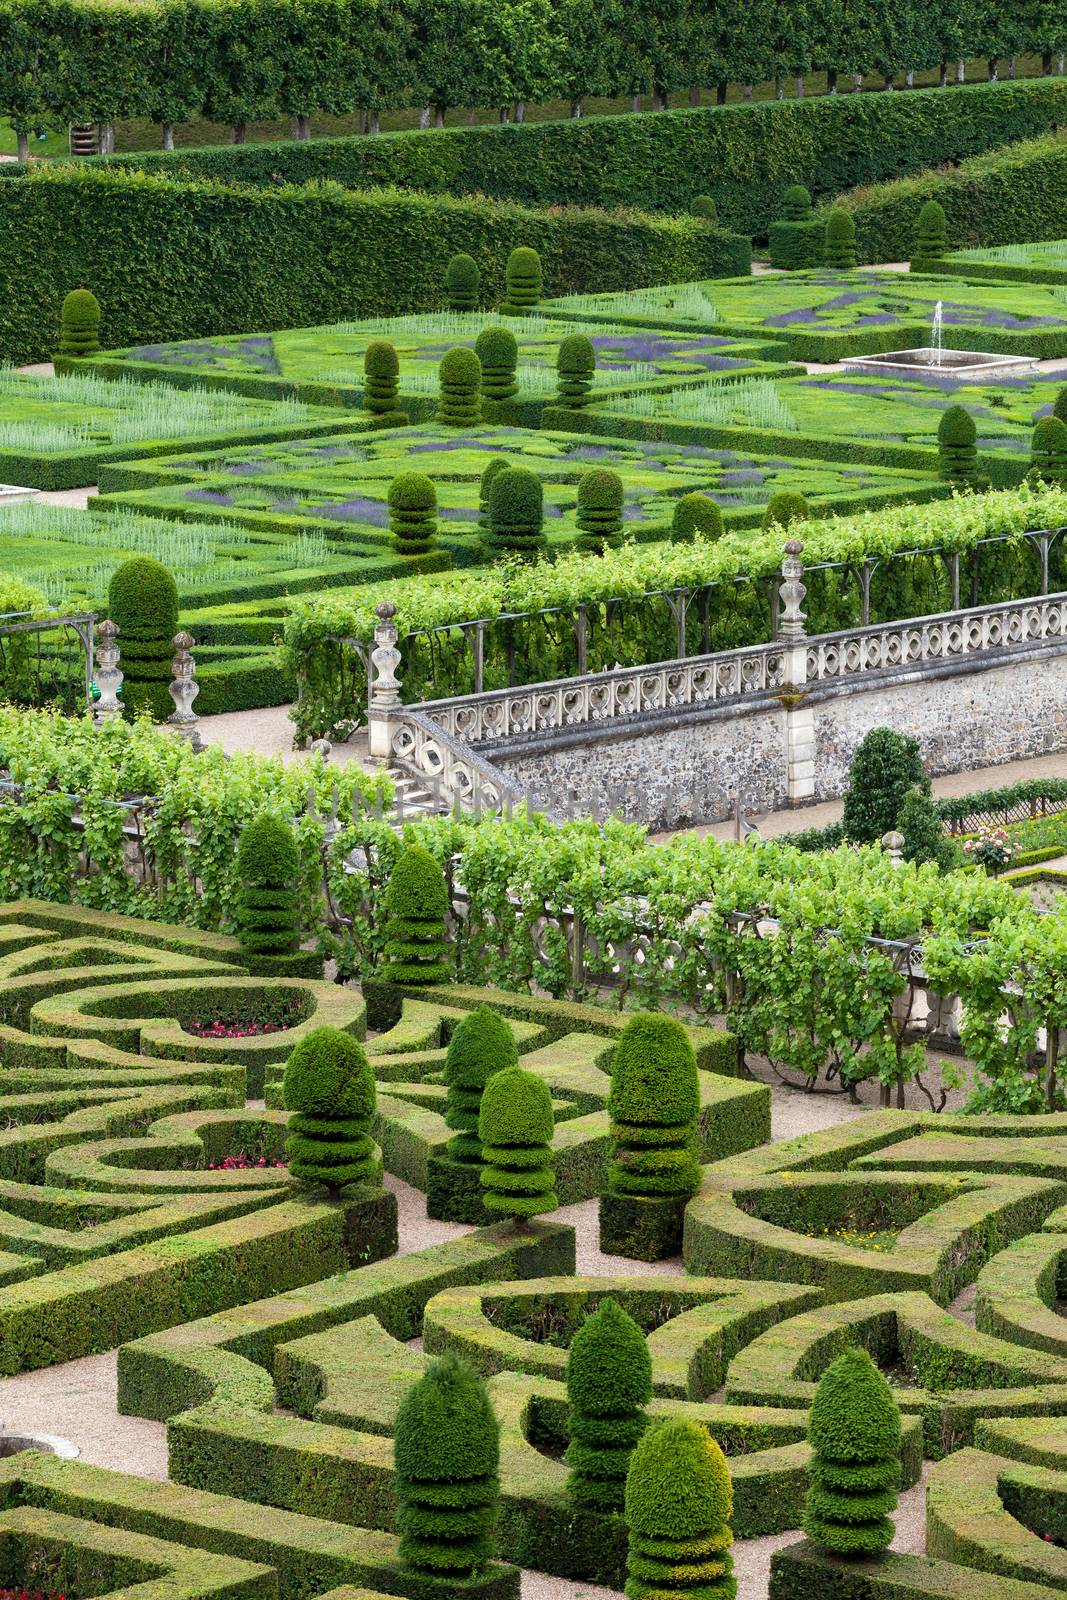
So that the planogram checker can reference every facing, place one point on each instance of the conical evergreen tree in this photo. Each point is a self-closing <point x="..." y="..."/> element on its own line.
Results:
<point x="328" y="1086"/>
<point x="679" y="1501"/>
<point x="854" y="1433"/>
<point x="515" y="1126"/>
<point x="609" y="1383"/>
<point x="447" y="1451"/>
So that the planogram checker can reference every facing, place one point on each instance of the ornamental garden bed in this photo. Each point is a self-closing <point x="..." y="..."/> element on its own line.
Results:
<point x="1012" y="263"/>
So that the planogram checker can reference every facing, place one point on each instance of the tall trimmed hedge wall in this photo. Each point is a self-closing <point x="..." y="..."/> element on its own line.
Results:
<point x="177" y="259"/>
<point x="745" y="155"/>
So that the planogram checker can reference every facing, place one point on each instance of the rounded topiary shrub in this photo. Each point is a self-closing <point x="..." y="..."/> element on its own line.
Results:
<point x="931" y="238"/>
<point x="575" y="366"/>
<point x="446" y="1454"/>
<point x="679" y="1501"/>
<point x="785" y="507"/>
<point x="523" y="278"/>
<point x="840" y="247"/>
<point x="381" y="384"/>
<point x="79" y="324"/>
<point x="412" y="513"/>
<point x="481" y="1045"/>
<point x="498" y="352"/>
<point x="704" y="206"/>
<point x="462" y="283"/>
<point x="796" y="204"/>
<point x="886" y="767"/>
<point x="653" y="1104"/>
<point x="1048" y="452"/>
<point x="696" y="516"/>
<point x="923" y="832"/>
<point x="268" y="925"/>
<point x="609" y="1383"/>
<point x="497" y="464"/>
<point x="328" y="1086"/>
<point x="515" y="1127"/>
<point x="516" y="513"/>
<point x="599" y="515"/>
<point x="416" y="907"/>
<point x="1059" y="407"/>
<point x="854" y="1477"/>
<point x="460" y="377"/>
<point x="957" y="452"/>
<point x="142" y="598"/>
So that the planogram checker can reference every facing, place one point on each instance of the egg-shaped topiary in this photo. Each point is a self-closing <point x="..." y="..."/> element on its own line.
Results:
<point x="1059" y="406"/>
<point x="575" y="366"/>
<point x="653" y="1104"/>
<point x="463" y="282"/>
<point x="412" y="513"/>
<point x="498" y="352"/>
<point x="381" y="384"/>
<point x="679" y="1501"/>
<point x="957" y="452"/>
<point x="1048" y="452"/>
<point x="268" y="865"/>
<point x="523" y="278"/>
<point x="515" y="1127"/>
<point x="785" y="507"/>
<point x="704" y="206"/>
<point x="931" y="238"/>
<point x="446" y="1456"/>
<point x="497" y="464"/>
<point x="482" y="1044"/>
<point x="796" y="203"/>
<point x="460" y="378"/>
<point x="599" y="511"/>
<point x="516" y="513"/>
<point x="416" y="908"/>
<point x="854" y="1433"/>
<point x="79" y="324"/>
<point x="328" y="1087"/>
<point x="840" y="247"/>
<point x="143" y="600"/>
<point x="696" y="516"/>
<point x="609" y="1383"/>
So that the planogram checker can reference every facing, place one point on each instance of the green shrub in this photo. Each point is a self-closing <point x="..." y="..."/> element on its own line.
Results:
<point x="523" y="281"/>
<point x="447" y="1450"/>
<point x="1048" y="452"/>
<point x="481" y="1045"/>
<point x="328" y="1086"/>
<point x="142" y="598"/>
<point x="885" y="768"/>
<point x="840" y="240"/>
<point x="575" y="365"/>
<point x="413" y="513"/>
<point x="498" y="352"/>
<point x="268" y="865"/>
<point x="796" y="204"/>
<point x="854" y="1433"/>
<point x="653" y="1105"/>
<point x="704" y="206"/>
<point x="600" y="503"/>
<point x="79" y="324"/>
<point x="798" y="240"/>
<point x="924" y="835"/>
<point x="497" y="464"/>
<point x="609" y="1383"/>
<point x="416" y="907"/>
<point x="679" y="1501"/>
<point x="931" y="238"/>
<point x="1059" y="408"/>
<point x="462" y="283"/>
<point x="785" y="507"/>
<point x="957" y="453"/>
<point x="381" y="384"/>
<point x="516" y="513"/>
<point x="515" y="1126"/>
<point x="696" y="515"/>
<point x="460" y="402"/>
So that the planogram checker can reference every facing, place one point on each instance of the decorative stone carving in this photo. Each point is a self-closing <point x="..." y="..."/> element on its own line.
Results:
<point x="108" y="676"/>
<point x="184" y="690"/>
<point x="792" y="591"/>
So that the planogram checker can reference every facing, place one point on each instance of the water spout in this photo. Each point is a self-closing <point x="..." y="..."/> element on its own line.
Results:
<point x="935" y="342"/>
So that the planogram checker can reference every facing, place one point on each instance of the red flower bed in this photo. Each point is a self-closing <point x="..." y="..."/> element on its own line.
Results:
<point x="30" y="1594"/>
<point x="233" y="1030"/>
<point x="241" y="1163"/>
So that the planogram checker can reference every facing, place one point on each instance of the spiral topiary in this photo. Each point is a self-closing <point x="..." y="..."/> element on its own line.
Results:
<point x="497" y="464"/>
<point x="599" y="518"/>
<point x="840" y="248"/>
<point x="142" y="598"/>
<point x="704" y="206"/>
<point x="462" y="283"/>
<point x="696" y="515"/>
<point x="609" y="1383"/>
<point x="79" y="324"/>
<point x="482" y="1045"/>
<point x="957" y="451"/>
<point x="931" y="238"/>
<point x="796" y="204"/>
<point x="523" y="276"/>
<point x="515" y="1126"/>
<point x="381" y="384"/>
<point x="854" y="1477"/>
<point x="575" y="366"/>
<point x="268" y="924"/>
<point x="460" y="376"/>
<point x="412" y="513"/>
<point x="328" y="1086"/>
<point x="516" y="513"/>
<point x="498" y="352"/>
<point x="416" y="906"/>
<point x="679" y="1501"/>
<point x="785" y="507"/>
<point x="1048" y="452"/>
<point x="446" y="1455"/>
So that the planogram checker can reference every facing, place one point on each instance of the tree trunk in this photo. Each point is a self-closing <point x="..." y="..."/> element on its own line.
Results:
<point x="238" y="132"/>
<point x="800" y="88"/>
<point x="504" y="115"/>
<point x="942" y="75"/>
<point x="519" y="111"/>
<point x="961" y="72"/>
<point x="168" y="136"/>
<point x="857" y="82"/>
<point x="107" y="138"/>
<point x="375" y="123"/>
<point x="22" y="146"/>
<point x="301" y="127"/>
<point x="1052" y="1050"/>
<point x="720" y="93"/>
<point x="694" y="94"/>
<point x="779" y="89"/>
<point x="909" y="78"/>
<point x="1046" y="64"/>
<point x="993" y="74"/>
<point x="1009" y="71"/>
<point x="890" y="79"/>
<point x="438" y="116"/>
<point x="1060" y="63"/>
<point x="578" y="106"/>
<point x="635" y="102"/>
<point x="659" y="100"/>
<point x="472" y="116"/>
<point x="831" y="80"/>
<point x="362" y="120"/>
<point x="746" y="91"/>
<point x="424" y="116"/>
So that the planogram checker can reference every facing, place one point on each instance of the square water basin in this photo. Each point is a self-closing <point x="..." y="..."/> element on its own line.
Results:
<point x="956" y="363"/>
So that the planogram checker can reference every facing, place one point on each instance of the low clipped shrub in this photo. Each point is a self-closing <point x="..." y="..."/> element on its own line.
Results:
<point x="575" y="367"/>
<point x="482" y="1045"/>
<point x="460" y="377"/>
<point x="931" y="238"/>
<point x="840" y="251"/>
<point x="515" y="1126"/>
<point x="957" y="452"/>
<point x="785" y="507"/>
<point x="609" y="1383"/>
<point x="142" y="598"/>
<point x="886" y="767"/>
<point x="1048" y="452"/>
<point x="447" y="1452"/>
<point x="463" y="280"/>
<point x="854" y="1477"/>
<point x="497" y="464"/>
<point x="79" y="324"/>
<point x="328" y="1087"/>
<point x="704" y="206"/>
<point x="599" y="518"/>
<point x="381" y="384"/>
<point x="498" y="352"/>
<point x="679" y="1501"/>
<point x="796" y="204"/>
<point x="412" y="513"/>
<point x="516" y="513"/>
<point x="523" y="281"/>
<point x="268" y="926"/>
<point x="416" y="906"/>
<point x="696" y="515"/>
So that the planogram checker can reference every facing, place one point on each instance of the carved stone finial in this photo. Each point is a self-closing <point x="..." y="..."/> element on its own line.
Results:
<point x="791" y="592"/>
<point x="107" y="675"/>
<point x="184" y="690"/>
<point x="893" y="842"/>
<point x="385" y="658"/>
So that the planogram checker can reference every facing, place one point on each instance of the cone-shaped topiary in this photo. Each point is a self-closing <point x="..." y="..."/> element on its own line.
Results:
<point x="328" y="1086"/>
<point x="886" y="766"/>
<point x="523" y="281"/>
<point x="412" y="513"/>
<point x="498" y="352"/>
<point x="268" y="865"/>
<point x="497" y="464"/>
<point x="854" y="1433"/>
<point x="931" y="238"/>
<point x="381" y="384"/>
<point x="957" y="453"/>
<point x="609" y="1383"/>
<point x="785" y="507"/>
<point x="462" y="283"/>
<point x="924" y="833"/>
<point x="600" y="502"/>
<point x="460" y="377"/>
<point x="679" y="1501"/>
<point x="796" y="204"/>
<point x="840" y="248"/>
<point x="142" y="598"/>
<point x="447" y="1450"/>
<point x="481" y="1045"/>
<point x="798" y="240"/>
<point x="1059" y="408"/>
<point x="416" y="905"/>
<point x="695" y="516"/>
<point x="79" y="324"/>
<point x="704" y="206"/>
<point x="516" y="513"/>
<point x="515" y="1126"/>
<point x="1048" y="452"/>
<point x="575" y="364"/>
